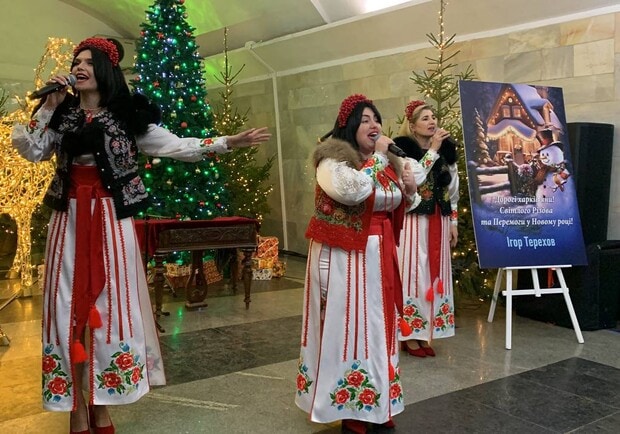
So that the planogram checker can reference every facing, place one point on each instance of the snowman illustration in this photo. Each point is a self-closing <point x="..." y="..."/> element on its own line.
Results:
<point x="551" y="172"/>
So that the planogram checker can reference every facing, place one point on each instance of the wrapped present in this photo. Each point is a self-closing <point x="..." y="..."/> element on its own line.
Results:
<point x="178" y="275"/>
<point x="261" y="274"/>
<point x="258" y="263"/>
<point x="212" y="274"/>
<point x="267" y="248"/>
<point x="278" y="269"/>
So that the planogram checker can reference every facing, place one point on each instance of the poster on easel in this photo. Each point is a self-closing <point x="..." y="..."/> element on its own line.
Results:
<point x="522" y="193"/>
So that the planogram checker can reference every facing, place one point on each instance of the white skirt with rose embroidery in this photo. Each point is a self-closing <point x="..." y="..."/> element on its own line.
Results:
<point x="124" y="354"/>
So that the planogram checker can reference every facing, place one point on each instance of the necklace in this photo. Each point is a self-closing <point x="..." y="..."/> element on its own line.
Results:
<point x="90" y="113"/>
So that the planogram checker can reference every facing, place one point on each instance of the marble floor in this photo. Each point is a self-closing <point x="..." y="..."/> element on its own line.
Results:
<point x="232" y="370"/>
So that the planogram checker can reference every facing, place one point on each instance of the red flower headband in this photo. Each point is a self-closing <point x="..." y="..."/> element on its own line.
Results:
<point x="347" y="106"/>
<point x="101" y="44"/>
<point x="412" y="106"/>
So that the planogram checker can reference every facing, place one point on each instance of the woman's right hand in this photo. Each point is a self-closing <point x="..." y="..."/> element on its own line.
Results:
<point x="438" y="138"/>
<point x="54" y="99"/>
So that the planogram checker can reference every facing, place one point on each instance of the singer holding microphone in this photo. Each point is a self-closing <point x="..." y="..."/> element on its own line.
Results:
<point x="352" y="293"/>
<point x="429" y="232"/>
<point x="99" y="334"/>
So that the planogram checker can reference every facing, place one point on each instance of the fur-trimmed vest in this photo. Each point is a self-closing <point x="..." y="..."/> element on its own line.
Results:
<point x="435" y="189"/>
<point x="347" y="226"/>
<point x="115" y="153"/>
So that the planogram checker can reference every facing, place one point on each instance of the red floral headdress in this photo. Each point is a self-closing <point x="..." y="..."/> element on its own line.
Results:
<point x="101" y="44"/>
<point x="347" y="106"/>
<point x="412" y="106"/>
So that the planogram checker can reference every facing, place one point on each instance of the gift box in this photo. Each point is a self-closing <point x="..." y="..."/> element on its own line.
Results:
<point x="278" y="269"/>
<point x="261" y="274"/>
<point x="258" y="263"/>
<point x="267" y="248"/>
<point x="212" y="274"/>
<point x="178" y="275"/>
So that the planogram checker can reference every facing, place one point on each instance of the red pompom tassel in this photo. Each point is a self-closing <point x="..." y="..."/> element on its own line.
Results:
<point x="391" y="372"/>
<point x="440" y="288"/>
<point x="78" y="353"/>
<point x="430" y="295"/>
<point x="94" y="319"/>
<point x="405" y="328"/>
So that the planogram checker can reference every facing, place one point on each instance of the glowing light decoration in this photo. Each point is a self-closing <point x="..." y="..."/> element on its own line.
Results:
<point x="22" y="183"/>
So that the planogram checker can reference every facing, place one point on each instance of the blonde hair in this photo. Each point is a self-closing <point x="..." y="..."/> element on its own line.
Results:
<point x="405" y="129"/>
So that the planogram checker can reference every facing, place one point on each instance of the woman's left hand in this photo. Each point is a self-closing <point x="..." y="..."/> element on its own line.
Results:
<point x="409" y="180"/>
<point x="251" y="137"/>
<point x="454" y="235"/>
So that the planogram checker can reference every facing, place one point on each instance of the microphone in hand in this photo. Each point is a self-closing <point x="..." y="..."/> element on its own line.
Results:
<point x="392" y="148"/>
<point x="52" y="87"/>
<point x="396" y="150"/>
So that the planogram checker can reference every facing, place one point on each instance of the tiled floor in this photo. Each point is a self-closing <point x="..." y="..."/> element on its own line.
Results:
<point x="232" y="370"/>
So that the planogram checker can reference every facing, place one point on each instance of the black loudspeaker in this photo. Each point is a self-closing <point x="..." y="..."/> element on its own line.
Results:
<point x="594" y="291"/>
<point x="591" y="147"/>
<point x="595" y="288"/>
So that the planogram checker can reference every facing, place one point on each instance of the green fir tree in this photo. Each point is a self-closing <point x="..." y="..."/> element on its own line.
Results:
<point x="170" y="73"/>
<point x="440" y="85"/>
<point x="246" y="179"/>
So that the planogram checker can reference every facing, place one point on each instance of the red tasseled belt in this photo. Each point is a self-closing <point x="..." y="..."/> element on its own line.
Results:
<point x="89" y="273"/>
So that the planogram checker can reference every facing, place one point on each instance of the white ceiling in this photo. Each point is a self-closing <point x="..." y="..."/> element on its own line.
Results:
<point x="280" y="36"/>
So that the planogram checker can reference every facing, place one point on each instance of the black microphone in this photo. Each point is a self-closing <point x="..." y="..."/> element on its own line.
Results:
<point x="51" y="88"/>
<point x="392" y="148"/>
<point x="396" y="150"/>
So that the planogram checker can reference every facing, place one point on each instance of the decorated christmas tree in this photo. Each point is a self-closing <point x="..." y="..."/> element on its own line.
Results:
<point x="247" y="187"/>
<point x="170" y="73"/>
<point x="439" y="86"/>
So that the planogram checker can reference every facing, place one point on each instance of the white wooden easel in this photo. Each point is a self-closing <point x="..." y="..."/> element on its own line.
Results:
<point x="537" y="291"/>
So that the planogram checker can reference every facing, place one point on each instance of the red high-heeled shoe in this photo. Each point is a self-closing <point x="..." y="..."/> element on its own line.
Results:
<point x="428" y="350"/>
<point x="418" y="352"/>
<point x="389" y="424"/>
<point x="353" y="426"/>
<point x="99" y="429"/>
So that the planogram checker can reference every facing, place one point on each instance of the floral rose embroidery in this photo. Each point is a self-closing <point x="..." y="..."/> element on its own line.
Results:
<point x="124" y="361"/>
<point x="355" y="378"/>
<point x="354" y="390"/>
<point x="56" y="384"/>
<point x="111" y="380"/>
<point x="411" y="314"/>
<point x="49" y="364"/>
<point x="124" y="372"/>
<point x="444" y="318"/>
<point x="303" y="381"/>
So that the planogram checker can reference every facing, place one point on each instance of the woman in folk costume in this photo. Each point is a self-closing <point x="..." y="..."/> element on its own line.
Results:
<point x="96" y="306"/>
<point x="429" y="232"/>
<point x="348" y="367"/>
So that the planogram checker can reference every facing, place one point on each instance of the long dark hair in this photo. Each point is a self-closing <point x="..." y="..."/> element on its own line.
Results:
<point x="354" y="120"/>
<point x="111" y="82"/>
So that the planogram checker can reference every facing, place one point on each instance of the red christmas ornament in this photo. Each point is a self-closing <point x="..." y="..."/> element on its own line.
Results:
<point x="193" y="98"/>
<point x="178" y="215"/>
<point x="181" y="2"/>
<point x="160" y="35"/>
<point x="156" y="84"/>
<point x="201" y="203"/>
<point x="147" y="166"/>
<point x="183" y="124"/>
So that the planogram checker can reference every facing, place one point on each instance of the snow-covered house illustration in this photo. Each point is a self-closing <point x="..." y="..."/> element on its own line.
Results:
<point x="518" y="114"/>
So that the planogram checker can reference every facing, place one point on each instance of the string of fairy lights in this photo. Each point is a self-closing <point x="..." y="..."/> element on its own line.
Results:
<point x="23" y="184"/>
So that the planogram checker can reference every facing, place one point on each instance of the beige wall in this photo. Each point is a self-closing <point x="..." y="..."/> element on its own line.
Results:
<point x="582" y="57"/>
